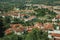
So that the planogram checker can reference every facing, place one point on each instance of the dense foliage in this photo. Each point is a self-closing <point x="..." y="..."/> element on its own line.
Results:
<point x="35" y="34"/>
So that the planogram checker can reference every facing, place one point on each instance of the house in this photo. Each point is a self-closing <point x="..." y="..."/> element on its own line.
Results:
<point x="55" y="34"/>
<point x="58" y="16"/>
<point x="17" y="27"/>
<point x="54" y="19"/>
<point x="29" y="18"/>
<point x="38" y="25"/>
<point x="56" y="7"/>
<point x="8" y="31"/>
<point x="48" y="26"/>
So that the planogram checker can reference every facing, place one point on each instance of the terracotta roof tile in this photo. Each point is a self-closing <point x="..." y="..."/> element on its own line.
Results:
<point x="58" y="16"/>
<point x="48" y="26"/>
<point x="55" y="34"/>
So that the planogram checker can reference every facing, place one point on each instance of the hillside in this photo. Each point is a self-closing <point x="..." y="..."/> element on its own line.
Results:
<point x="33" y="1"/>
<point x="4" y="4"/>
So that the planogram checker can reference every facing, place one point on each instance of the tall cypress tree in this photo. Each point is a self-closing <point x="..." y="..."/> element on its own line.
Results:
<point x="1" y="29"/>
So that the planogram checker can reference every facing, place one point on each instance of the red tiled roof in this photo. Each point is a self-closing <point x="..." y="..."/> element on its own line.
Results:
<point x="59" y="23"/>
<point x="31" y="17"/>
<point x="8" y="31"/>
<point x="55" y="34"/>
<point x="48" y="26"/>
<point x="38" y="24"/>
<point x="57" y="16"/>
<point x="15" y="25"/>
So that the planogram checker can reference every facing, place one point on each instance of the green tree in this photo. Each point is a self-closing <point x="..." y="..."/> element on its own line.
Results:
<point x="40" y="12"/>
<point x="37" y="35"/>
<point x="7" y="19"/>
